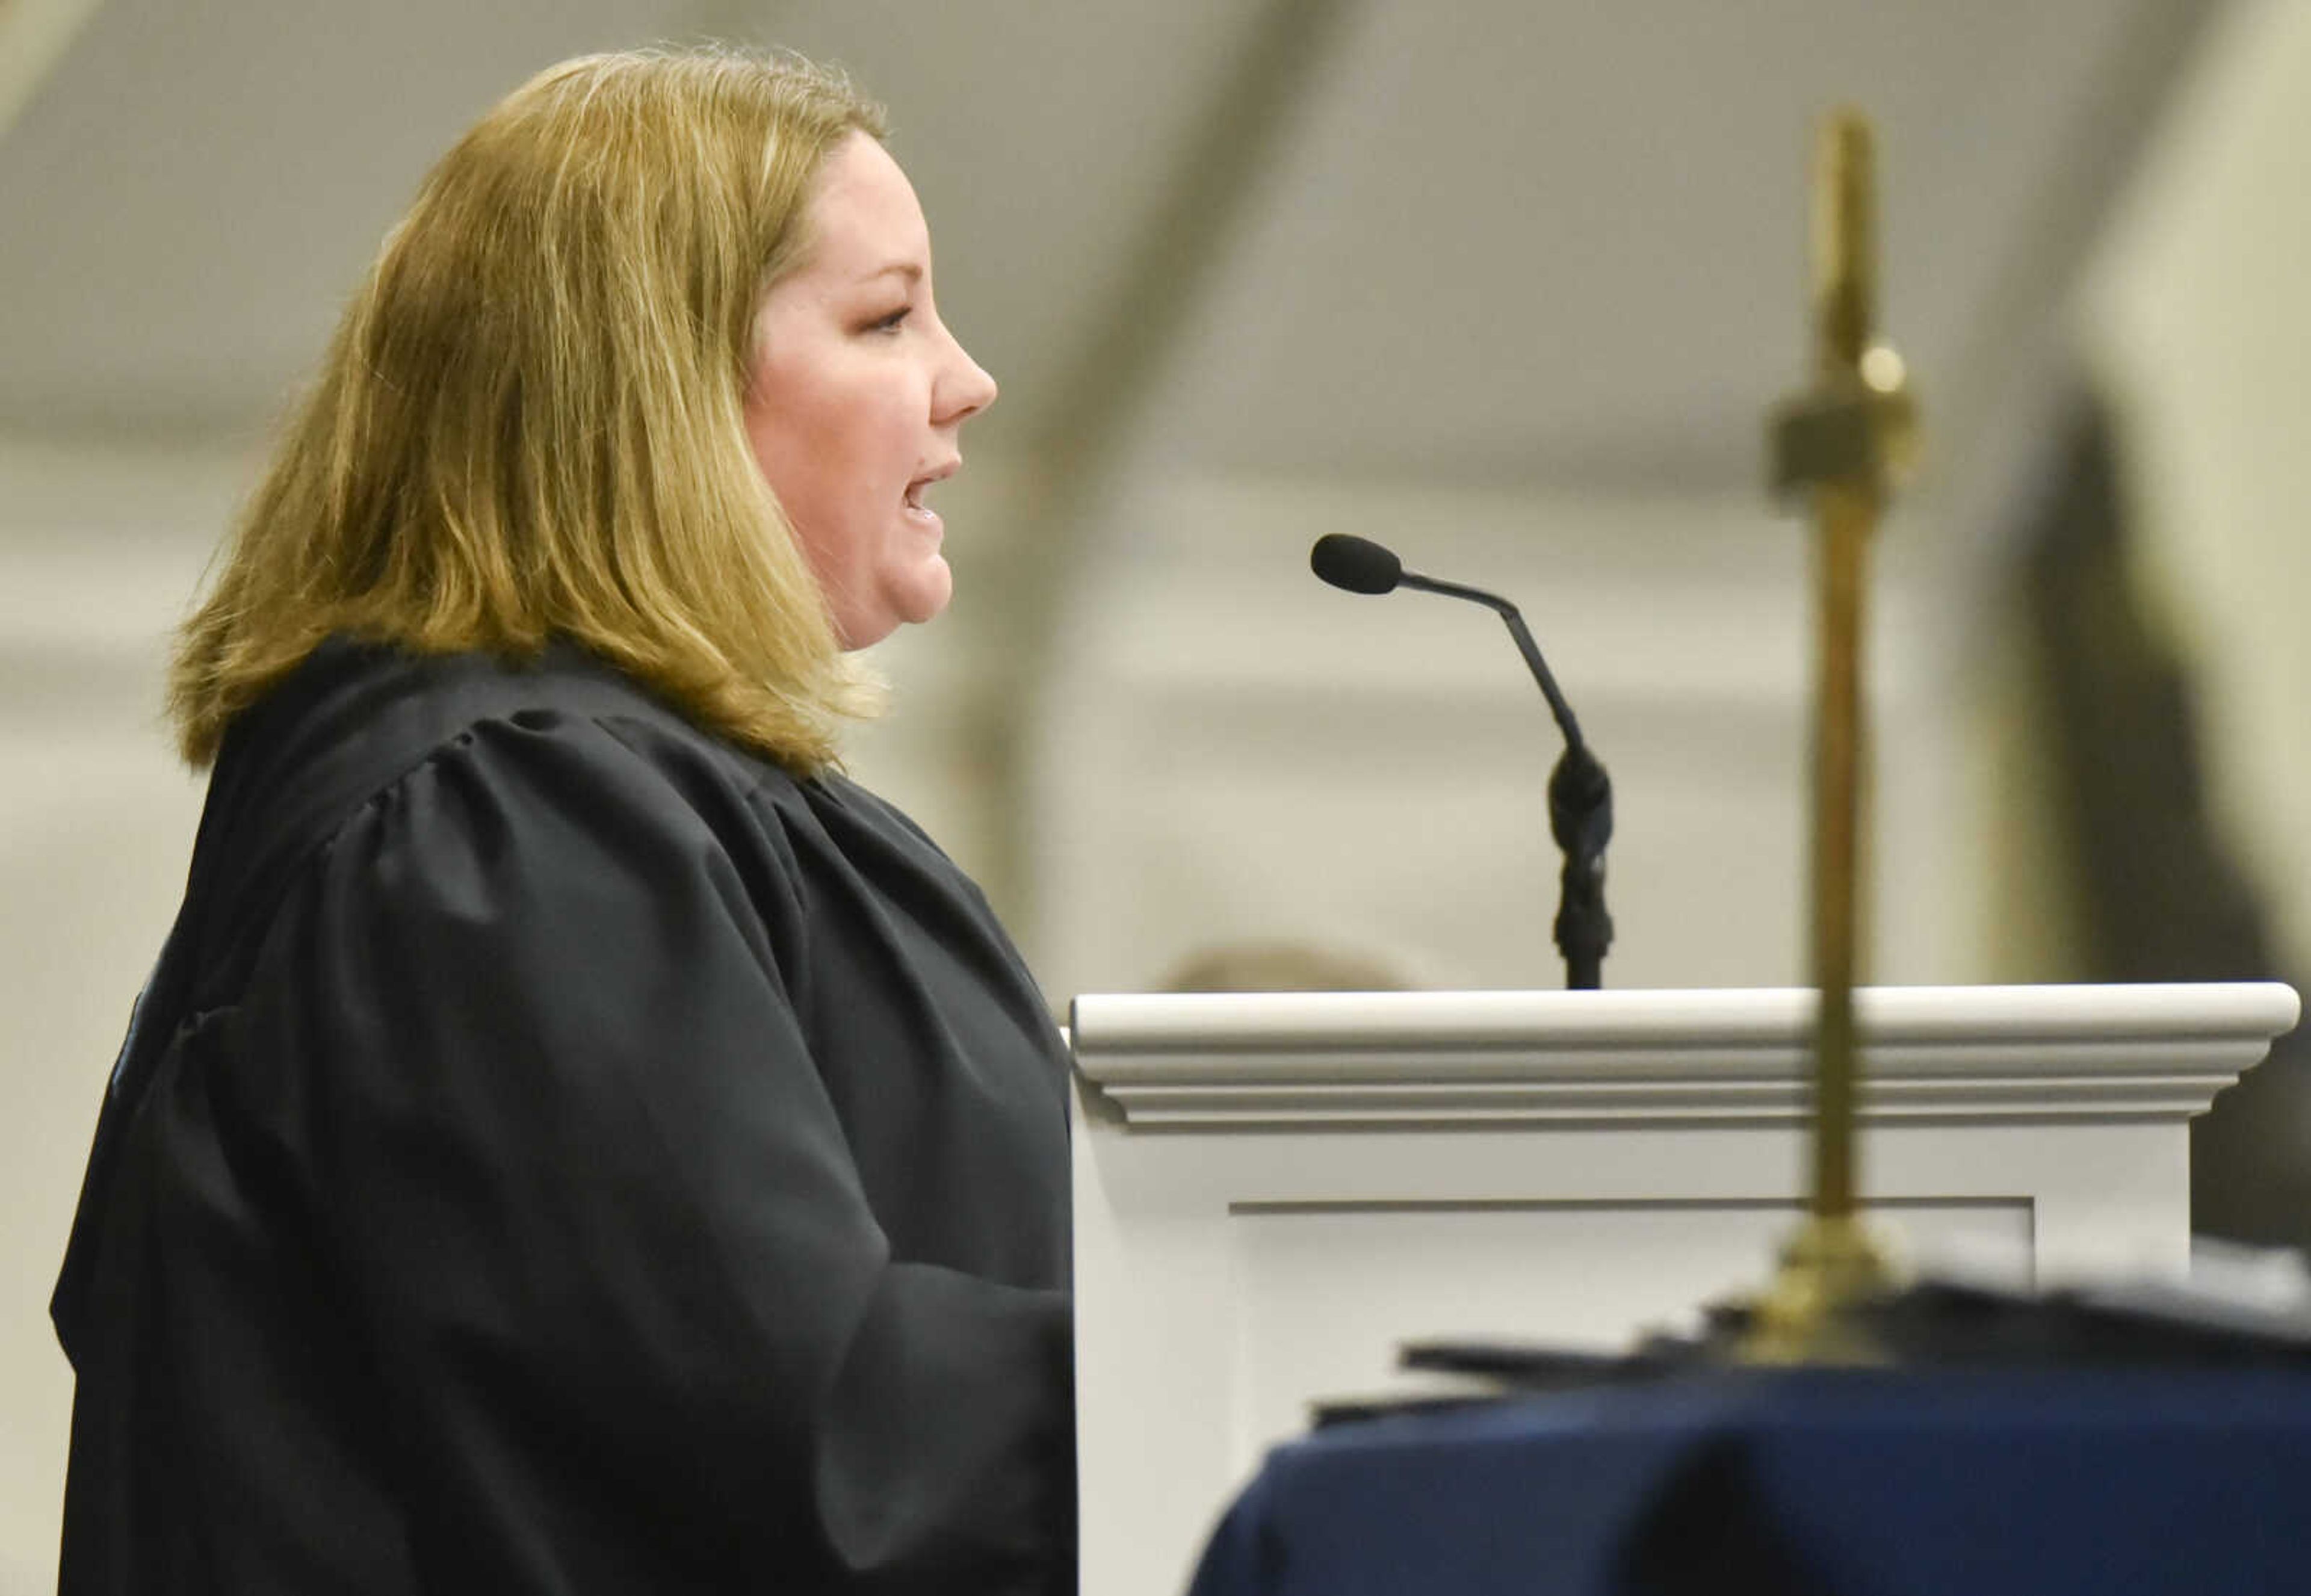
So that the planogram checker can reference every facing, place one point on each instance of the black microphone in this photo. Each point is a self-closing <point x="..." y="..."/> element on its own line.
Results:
<point x="1358" y="564"/>
<point x="1579" y="793"/>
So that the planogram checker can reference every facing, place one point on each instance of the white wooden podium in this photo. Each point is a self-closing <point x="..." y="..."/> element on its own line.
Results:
<point x="1273" y="1190"/>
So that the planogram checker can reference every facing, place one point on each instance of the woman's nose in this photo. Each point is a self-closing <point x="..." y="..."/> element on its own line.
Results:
<point x="966" y="389"/>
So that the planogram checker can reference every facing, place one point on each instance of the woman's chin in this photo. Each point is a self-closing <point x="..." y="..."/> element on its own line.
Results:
<point x="921" y="595"/>
<point x="929" y="589"/>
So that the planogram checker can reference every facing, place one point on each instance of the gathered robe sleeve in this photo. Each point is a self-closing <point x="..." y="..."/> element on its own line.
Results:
<point x="530" y="1060"/>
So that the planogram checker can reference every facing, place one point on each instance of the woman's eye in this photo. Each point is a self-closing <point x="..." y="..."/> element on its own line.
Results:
<point x="890" y="323"/>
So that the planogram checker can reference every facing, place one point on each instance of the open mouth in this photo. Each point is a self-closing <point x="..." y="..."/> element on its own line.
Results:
<point x="917" y="511"/>
<point x="913" y="497"/>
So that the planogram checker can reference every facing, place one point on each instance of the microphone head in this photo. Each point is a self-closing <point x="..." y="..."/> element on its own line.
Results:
<point x="1356" y="565"/>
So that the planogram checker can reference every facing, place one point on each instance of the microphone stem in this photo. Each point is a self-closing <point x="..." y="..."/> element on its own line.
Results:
<point x="1509" y="616"/>
<point x="1580" y="805"/>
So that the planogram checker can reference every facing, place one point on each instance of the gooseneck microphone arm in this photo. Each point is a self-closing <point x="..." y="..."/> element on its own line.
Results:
<point x="1579" y="793"/>
<point x="1514" y="622"/>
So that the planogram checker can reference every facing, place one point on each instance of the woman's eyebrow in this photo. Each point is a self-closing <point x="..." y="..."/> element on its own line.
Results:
<point x="911" y="271"/>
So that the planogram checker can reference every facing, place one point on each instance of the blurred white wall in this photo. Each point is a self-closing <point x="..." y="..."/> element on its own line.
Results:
<point x="2200" y="317"/>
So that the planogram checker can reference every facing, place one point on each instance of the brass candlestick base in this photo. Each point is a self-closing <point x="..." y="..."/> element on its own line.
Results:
<point x="1829" y="1266"/>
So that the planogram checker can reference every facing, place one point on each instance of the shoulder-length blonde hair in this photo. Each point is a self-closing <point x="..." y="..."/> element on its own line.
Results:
<point x="531" y="423"/>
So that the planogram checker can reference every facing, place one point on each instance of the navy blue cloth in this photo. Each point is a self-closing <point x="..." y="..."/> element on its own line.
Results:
<point x="1804" y="1483"/>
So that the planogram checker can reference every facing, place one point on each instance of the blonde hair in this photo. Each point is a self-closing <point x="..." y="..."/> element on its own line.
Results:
<point x="531" y="423"/>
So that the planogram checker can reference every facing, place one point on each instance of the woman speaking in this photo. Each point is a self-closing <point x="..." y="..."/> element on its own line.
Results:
<point x="574" y="1141"/>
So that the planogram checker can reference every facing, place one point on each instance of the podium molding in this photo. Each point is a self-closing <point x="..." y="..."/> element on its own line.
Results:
<point x="1602" y="1059"/>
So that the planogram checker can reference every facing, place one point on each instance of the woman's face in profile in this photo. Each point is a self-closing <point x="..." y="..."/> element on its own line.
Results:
<point x="858" y="395"/>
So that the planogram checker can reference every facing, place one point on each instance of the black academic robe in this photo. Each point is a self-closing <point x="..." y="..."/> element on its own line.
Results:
<point x="559" y="1152"/>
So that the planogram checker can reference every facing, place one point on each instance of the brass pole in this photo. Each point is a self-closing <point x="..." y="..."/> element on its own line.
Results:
<point x="1840" y="750"/>
<point x="1839" y="443"/>
<point x="1845" y="294"/>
